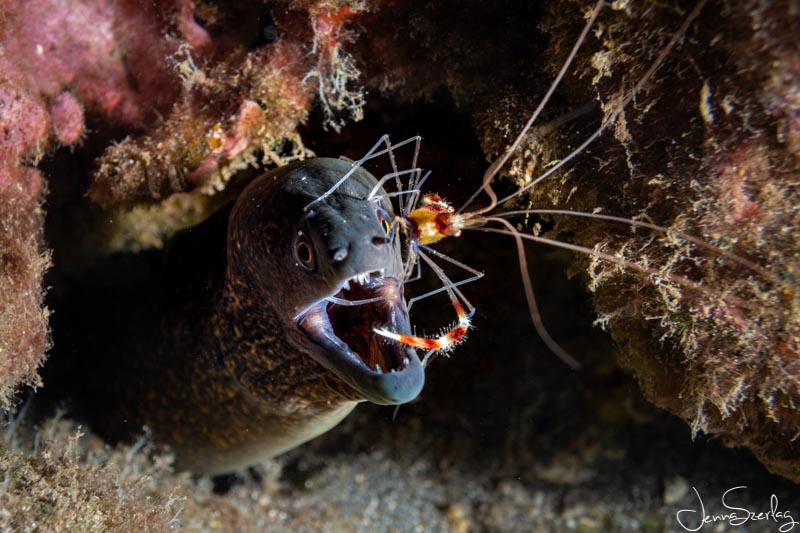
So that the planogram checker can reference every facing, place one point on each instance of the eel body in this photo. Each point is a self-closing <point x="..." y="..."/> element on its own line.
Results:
<point x="259" y="360"/>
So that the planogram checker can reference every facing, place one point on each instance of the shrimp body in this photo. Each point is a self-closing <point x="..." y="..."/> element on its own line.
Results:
<point x="434" y="220"/>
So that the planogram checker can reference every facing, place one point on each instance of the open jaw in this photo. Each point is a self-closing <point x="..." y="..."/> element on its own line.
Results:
<point x="381" y="370"/>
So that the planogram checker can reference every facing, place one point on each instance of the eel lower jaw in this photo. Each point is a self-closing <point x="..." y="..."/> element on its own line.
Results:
<point x="378" y="369"/>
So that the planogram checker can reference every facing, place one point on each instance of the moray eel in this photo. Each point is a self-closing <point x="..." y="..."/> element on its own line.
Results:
<point x="263" y="362"/>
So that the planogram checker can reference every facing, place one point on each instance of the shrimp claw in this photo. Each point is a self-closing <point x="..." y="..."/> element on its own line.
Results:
<point x="449" y="339"/>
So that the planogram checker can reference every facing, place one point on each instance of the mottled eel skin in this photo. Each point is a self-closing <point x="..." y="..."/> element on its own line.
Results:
<point x="263" y="362"/>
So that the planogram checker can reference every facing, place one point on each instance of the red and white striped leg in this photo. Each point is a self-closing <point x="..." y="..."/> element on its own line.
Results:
<point x="449" y="339"/>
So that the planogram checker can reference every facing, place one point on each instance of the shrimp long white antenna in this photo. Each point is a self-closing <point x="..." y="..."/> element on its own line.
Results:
<point x="533" y="309"/>
<point x="495" y="167"/>
<point x="610" y="119"/>
<point x="371" y="154"/>
<point x="655" y="227"/>
<point x="627" y="263"/>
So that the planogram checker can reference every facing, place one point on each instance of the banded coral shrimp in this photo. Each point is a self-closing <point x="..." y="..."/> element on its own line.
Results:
<point x="698" y="327"/>
<point x="426" y="219"/>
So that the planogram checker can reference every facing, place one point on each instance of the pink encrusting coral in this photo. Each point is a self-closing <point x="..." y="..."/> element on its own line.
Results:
<point x="197" y="104"/>
<point x="55" y="60"/>
<point x="108" y="53"/>
<point x="251" y="103"/>
<point x="24" y="128"/>
<point x="229" y="109"/>
<point x="69" y="123"/>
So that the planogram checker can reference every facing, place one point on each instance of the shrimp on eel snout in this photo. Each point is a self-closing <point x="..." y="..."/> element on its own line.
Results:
<point x="426" y="219"/>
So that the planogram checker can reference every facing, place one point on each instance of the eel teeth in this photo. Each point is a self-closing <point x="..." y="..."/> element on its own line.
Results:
<point x="365" y="278"/>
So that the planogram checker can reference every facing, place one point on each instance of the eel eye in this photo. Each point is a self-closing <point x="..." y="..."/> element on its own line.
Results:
<point x="386" y="222"/>
<point x="304" y="251"/>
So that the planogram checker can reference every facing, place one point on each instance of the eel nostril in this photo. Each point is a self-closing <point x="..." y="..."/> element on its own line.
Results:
<point x="378" y="240"/>
<point x="340" y="254"/>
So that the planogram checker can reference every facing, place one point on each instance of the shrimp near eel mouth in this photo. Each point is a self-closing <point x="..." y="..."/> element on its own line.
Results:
<point x="426" y="219"/>
<point x="691" y="256"/>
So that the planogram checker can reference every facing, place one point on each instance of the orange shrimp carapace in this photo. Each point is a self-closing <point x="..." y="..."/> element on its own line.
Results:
<point x="434" y="220"/>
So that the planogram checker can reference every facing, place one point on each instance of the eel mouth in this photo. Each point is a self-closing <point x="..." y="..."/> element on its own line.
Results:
<point x="381" y="370"/>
